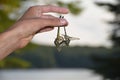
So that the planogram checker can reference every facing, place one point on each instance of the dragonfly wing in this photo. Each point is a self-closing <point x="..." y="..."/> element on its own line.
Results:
<point x="74" y="38"/>
<point x="71" y="38"/>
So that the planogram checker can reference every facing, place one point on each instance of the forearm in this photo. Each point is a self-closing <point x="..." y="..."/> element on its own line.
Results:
<point x="8" y="43"/>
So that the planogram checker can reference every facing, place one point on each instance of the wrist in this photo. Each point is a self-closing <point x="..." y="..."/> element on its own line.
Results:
<point x="8" y="43"/>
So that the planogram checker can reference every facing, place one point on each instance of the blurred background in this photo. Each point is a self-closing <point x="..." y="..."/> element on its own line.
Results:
<point x="96" y="56"/>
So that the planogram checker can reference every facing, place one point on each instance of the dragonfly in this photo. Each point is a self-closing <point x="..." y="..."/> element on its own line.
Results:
<point x="64" y="39"/>
<point x="59" y="39"/>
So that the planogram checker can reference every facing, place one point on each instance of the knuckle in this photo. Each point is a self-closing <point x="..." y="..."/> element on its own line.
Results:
<point x="33" y="7"/>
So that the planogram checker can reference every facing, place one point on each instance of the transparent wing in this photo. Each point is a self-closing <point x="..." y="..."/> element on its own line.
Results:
<point x="74" y="38"/>
<point x="71" y="38"/>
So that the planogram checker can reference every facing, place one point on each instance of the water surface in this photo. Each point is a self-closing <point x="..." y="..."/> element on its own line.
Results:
<point x="49" y="74"/>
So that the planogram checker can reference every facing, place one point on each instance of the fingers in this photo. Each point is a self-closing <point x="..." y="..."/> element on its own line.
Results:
<point x="54" y="22"/>
<point x="50" y="8"/>
<point x="45" y="24"/>
<point x="37" y="11"/>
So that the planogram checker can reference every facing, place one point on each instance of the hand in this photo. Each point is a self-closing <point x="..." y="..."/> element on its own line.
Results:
<point x="33" y="21"/>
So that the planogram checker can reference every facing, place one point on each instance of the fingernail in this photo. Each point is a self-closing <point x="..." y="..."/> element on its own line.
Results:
<point x="63" y="21"/>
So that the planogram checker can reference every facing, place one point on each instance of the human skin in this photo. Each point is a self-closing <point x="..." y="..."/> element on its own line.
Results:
<point x="32" y="22"/>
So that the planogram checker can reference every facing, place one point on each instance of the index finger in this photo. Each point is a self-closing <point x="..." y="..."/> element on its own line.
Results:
<point x="50" y="8"/>
<point x="36" y="11"/>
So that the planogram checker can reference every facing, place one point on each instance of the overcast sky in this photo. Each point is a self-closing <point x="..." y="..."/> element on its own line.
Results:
<point x="90" y="26"/>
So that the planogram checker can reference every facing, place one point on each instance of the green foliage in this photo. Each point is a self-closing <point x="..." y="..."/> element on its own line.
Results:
<point x="74" y="7"/>
<point x="6" y="7"/>
<point x="9" y="5"/>
<point x="13" y="62"/>
<point x="109" y="66"/>
<point x="49" y="57"/>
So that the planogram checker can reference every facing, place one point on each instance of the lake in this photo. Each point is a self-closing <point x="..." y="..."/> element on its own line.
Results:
<point x="49" y="74"/>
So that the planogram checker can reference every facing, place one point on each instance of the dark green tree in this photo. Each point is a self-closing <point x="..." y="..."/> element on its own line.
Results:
<point x="115" y="9"/>
<point x="110" y="67"/>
